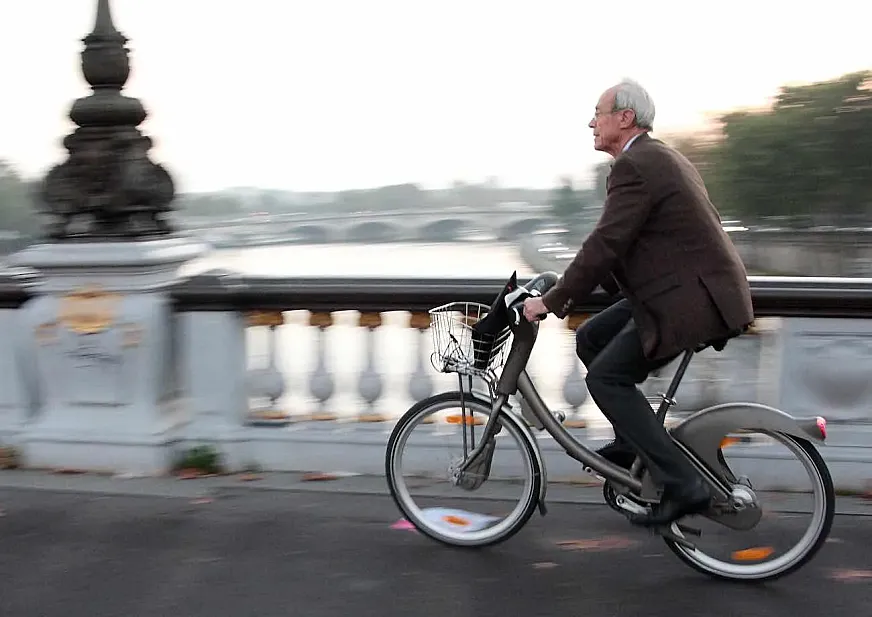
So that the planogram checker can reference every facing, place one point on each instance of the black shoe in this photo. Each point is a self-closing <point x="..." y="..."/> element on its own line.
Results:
<point x="688" y="500"/>
<point x="618" y="453"/>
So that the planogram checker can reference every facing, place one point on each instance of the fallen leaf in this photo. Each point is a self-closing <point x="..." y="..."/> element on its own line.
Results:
<point x="189" y="474"/>
<point x="544" y="565"/>
<point x="851" y="575"/>
<point x="372" y="417"/>
<point x="317" y="476"/>
<point x="67" y="471"/>
<point x="250" y="477"/>
<point x="202" y="500"/>
<point x="607" y="543"/>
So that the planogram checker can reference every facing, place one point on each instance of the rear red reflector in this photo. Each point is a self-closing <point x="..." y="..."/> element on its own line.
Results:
<point x="822" y="426"/>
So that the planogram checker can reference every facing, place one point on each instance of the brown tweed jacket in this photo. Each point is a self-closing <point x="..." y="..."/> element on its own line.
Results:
<point x="660" y="241"/>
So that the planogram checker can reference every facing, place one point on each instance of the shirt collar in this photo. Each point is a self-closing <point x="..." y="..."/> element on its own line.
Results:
<point x="629" y="143"/>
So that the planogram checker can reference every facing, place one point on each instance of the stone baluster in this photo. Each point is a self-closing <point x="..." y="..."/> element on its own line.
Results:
<point x="267" y="382"/>
<point x="574" y="388"/>
<point x="14" y="404"/>
<point x="369" y="383"/>
<point x="421" y="381"/>
<point x="768" y="331"/>
<point x="321" y="381"/>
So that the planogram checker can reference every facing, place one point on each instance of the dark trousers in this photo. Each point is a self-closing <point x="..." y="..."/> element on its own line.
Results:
<point x="610" y="347"/>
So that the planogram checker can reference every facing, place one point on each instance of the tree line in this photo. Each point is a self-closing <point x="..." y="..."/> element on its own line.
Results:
<point x="806" y="161"/>
<point x="19" y="218"/>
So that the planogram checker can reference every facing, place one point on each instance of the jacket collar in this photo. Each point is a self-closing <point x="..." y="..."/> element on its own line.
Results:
<point x="635" y="140"/>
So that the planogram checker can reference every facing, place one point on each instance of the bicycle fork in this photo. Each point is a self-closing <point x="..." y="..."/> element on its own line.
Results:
<point x="475" y="468"/>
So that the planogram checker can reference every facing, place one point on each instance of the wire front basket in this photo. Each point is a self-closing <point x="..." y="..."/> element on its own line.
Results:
<point x="458" y="348"/>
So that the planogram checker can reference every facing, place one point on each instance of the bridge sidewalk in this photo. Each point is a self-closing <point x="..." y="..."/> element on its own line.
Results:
<point x="162" y="547"/>
<point x="310" y="482"/>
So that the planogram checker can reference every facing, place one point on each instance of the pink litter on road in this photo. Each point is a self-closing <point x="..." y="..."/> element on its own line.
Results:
<point x="404" y="525"/>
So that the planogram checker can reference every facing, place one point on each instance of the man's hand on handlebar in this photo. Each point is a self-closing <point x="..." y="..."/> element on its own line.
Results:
<point x="535" y="309"/>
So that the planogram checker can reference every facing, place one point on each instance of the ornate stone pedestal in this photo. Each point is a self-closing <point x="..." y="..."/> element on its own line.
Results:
<point x="13" y="405"/>
<point x="824" y="369"/>
<point x="97" y="347"/>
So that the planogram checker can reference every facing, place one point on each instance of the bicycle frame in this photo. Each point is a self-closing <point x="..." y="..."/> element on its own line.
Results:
<point x="514" y="378"/>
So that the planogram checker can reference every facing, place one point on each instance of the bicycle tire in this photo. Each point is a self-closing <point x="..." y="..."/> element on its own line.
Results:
<point x="526" y="505"/>
<point x="825" y="480"/>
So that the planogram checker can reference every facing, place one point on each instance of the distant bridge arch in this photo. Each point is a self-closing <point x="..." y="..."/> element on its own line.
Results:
<point x="443" y="230"/>
<point x="311" y="234"/>
<point x="373" y="231"/>
<point x="524" y="226"/>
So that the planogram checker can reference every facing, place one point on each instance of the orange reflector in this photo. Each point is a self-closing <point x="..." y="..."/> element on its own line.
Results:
<point x="458" y="419"/>
<point x="455" y="520"/>
<point x="753" y="554"/>
<point x="728" y="441"/>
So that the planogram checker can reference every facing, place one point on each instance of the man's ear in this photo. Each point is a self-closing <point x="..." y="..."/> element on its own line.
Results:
<point x="628" y="118"/>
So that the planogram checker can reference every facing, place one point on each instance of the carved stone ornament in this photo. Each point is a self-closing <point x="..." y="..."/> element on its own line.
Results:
<point x="107" y="189"/>
<point x="89" y="310"/>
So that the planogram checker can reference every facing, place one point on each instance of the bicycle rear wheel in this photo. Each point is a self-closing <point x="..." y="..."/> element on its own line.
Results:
<point x="792" y="523"/>
<point x="434" y="499"/>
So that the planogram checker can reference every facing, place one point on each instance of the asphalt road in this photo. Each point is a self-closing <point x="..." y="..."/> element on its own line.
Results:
<point x="321" y="554"/>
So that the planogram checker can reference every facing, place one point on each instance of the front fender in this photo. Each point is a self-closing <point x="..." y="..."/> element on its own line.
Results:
<point x="703" y="431"/>
<point x="537" y="451"/>
<point x="527" y="433"/>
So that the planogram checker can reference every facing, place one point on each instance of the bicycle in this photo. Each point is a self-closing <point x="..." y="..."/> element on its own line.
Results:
<point x="471" y="340"/>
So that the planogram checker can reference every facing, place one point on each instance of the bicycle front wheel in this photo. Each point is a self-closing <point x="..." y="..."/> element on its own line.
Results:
<point x="480" y="507"/>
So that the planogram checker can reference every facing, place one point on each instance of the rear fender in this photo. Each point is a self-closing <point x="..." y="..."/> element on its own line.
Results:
<point x="703" y="431"/>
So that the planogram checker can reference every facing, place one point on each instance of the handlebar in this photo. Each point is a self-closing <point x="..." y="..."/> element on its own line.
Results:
<point x="516" y="310"/>
<point x="507" y="309"/>
<point x="514" y="300"/>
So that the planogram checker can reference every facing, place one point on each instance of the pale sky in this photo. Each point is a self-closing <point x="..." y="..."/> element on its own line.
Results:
<point x="340" y="94"/>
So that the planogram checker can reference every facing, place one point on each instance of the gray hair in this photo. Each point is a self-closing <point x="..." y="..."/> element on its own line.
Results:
<point x="630" y="95"/>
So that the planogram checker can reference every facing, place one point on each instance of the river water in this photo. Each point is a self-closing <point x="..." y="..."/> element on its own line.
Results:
<point x="396" y="345"/>
<point x="448" y="260"/>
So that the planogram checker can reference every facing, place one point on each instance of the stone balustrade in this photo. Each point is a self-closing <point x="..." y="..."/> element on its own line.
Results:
<point x="304" y="374"/>
<point x="112" y="361"/>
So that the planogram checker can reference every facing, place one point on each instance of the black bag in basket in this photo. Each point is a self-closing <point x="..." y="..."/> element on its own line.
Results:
<point x="485" y="332"/>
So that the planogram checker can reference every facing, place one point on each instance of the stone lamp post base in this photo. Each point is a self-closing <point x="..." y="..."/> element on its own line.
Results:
<point x="96" y="349"/>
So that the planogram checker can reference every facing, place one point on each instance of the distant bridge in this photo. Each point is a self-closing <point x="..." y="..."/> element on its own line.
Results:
<point x="504" y="223"/>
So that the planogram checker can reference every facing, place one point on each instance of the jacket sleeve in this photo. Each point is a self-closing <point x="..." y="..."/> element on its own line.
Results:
<point x="625" y="211"/>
